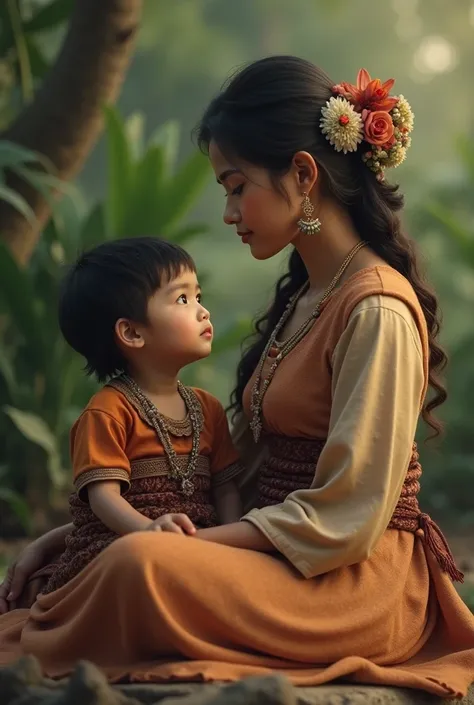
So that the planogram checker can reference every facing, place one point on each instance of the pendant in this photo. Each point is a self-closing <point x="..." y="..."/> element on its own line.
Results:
<point x="187" y="487"/>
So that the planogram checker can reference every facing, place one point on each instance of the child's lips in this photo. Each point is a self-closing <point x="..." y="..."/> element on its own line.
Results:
<point x="207" y="332"/>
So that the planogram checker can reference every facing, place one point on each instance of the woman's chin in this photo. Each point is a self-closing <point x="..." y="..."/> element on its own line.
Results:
<point x="263" y="251"/>
<point x="259" y="254"/>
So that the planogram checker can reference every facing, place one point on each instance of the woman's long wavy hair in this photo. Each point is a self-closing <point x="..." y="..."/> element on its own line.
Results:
<point x="264" y="115"/>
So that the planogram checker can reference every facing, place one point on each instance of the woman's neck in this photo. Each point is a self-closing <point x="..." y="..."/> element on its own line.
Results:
<point x="324" y="252"/>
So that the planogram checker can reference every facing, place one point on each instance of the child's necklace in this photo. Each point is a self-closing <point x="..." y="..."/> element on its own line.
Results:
<point x="182" y="475"/>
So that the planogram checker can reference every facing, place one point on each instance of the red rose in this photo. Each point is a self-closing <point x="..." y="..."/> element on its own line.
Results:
<point x="378" y="128"/>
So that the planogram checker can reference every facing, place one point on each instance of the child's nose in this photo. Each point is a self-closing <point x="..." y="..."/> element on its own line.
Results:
<point x="204" y="313"/>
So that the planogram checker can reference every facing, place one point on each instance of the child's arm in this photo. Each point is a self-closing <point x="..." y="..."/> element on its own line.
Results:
<point x="102" y="470"/>
<point x="113" y="510"/>
<point x="101" y="465"/>
<point x="227" y="502"/>
<point x="119" y="516"/>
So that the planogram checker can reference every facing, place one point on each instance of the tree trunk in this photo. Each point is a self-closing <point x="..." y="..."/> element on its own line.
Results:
<point x="65" y="118"/>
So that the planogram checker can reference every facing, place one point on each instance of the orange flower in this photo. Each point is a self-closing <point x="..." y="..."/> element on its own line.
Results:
<point x="368" y="93"/>
<point x="378" y="128"/>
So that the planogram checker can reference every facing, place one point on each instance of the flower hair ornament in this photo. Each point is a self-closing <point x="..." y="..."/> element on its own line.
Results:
<point x="366" y="116"/>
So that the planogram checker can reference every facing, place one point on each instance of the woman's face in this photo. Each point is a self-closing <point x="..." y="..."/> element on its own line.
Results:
<point x="263" y="218"/>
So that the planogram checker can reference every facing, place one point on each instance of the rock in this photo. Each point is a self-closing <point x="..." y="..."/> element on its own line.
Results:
<point x="370" y="695"/>
<point x="23" y="684"/>
<point x="24" y="676"/>
<point x="88" y="686"/>
<point x="270" y="690"/>
<point x="266" y="690"/>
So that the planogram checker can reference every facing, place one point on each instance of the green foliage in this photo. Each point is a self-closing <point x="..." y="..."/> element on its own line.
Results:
<point x="467" y="593"/>
<point x="49" y="16"/>
<point x="147" y="192"/>
<point x="17" y="505"/>
<point x="29" y="166"/>
<point x="34" y="370"/>
<point x="448" y="216"/>
<point x="21" y="34"/>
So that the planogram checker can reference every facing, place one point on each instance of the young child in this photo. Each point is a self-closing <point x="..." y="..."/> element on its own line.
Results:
<point x="148" y="453"/>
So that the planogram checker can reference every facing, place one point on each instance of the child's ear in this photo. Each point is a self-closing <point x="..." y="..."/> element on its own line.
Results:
<point x="128" y="334"/>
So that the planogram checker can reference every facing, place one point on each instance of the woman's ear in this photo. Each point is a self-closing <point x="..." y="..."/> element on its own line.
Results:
<point x="305" y="170"/>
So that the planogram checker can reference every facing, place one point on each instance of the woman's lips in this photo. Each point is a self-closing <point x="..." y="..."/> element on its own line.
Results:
<point x="245" y="237"/>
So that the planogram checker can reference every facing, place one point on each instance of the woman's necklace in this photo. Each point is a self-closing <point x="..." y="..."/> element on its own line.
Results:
<point x="279" y="351"/>
<point x="182" y="475"/>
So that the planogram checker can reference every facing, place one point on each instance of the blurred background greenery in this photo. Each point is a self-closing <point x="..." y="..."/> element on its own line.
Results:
<point x="145" y="177"/>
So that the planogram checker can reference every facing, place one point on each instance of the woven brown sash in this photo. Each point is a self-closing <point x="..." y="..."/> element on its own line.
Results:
<point x="291" y="466"/>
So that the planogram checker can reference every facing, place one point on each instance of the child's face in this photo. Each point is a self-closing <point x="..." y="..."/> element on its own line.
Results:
<point x="179" y="329"/>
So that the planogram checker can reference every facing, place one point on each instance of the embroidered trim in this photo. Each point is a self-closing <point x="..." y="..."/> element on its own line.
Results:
<point x="176" y="427"/>
<point x="96" y="474"/>
<point x="227" y="474"/>
<point x="154" y="467"/>
<point x="143" y="467"/>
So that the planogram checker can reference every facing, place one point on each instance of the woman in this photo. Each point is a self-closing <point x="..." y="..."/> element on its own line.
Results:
<point x="334" y="572"/>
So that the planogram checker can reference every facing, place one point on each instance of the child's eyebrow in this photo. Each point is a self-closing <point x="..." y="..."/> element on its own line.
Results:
<point x="185" y="285"/>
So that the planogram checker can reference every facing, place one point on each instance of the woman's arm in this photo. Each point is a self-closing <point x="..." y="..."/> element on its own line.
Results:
<point x="378" y="385"/>
<point x="239" y="535"/>
<point x="54" y="541"/>
<point x="227" y="502"/>
<point x="34" y="557"/>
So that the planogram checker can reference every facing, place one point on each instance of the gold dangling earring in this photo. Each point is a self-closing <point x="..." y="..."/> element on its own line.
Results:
<point x="307" y="224"/>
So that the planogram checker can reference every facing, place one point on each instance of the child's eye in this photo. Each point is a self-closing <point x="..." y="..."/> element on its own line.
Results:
<point x="199" y="298"/>
<point x="183" y="299"/>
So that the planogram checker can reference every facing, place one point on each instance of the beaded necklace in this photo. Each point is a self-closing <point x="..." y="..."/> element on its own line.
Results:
<point x="159" y="423"/>
<point x="280" y="351"/>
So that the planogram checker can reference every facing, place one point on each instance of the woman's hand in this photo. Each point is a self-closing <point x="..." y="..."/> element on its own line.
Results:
<point x="174" y="523"/>
<point x="17" y="590"/>
<point x="16" y="583"/>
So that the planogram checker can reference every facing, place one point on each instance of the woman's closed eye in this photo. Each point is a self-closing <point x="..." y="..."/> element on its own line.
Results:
<point x="236" y="191"/>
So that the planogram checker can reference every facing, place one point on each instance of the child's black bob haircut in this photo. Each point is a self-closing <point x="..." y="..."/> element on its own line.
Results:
<point x="114" y="280"/>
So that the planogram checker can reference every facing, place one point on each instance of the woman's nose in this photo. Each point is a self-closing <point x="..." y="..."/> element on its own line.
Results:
<point x="231" y="214"/>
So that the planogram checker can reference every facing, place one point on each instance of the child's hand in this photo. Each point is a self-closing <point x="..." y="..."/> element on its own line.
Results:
<point x="175" y="523"/>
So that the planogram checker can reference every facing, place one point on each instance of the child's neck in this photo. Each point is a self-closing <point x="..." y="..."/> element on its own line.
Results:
<point x="162" y="389"/>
